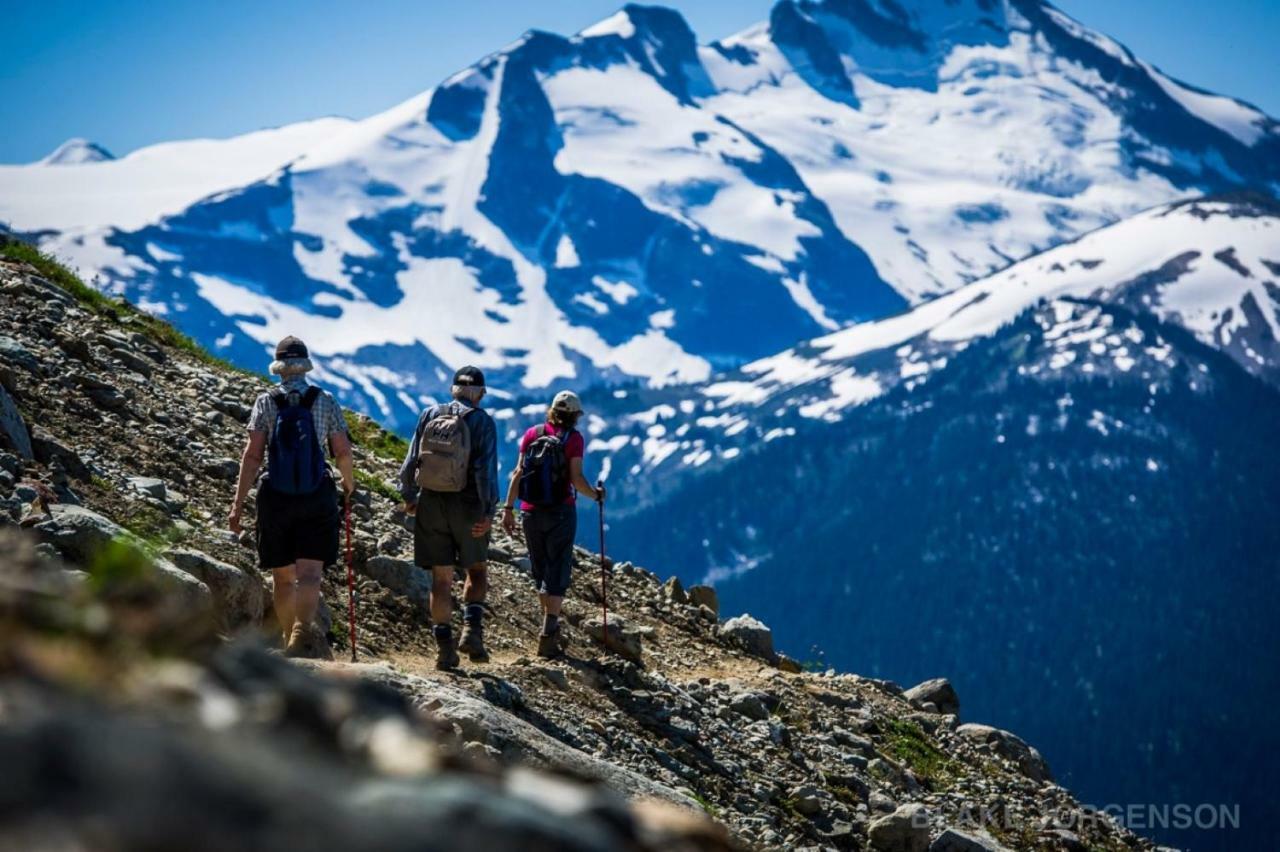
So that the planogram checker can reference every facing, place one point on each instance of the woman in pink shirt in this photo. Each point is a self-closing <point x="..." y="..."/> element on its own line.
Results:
<point x="548" y="479"/>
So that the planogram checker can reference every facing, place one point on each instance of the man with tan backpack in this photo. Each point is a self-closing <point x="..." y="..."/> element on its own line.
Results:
<point x="449" y="482"/>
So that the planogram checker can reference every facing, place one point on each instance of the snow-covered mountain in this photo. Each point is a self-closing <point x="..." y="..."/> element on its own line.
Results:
<point x="1211" y="266"/>
<point x="76" y="152"/>
<point x="627" y="204"/>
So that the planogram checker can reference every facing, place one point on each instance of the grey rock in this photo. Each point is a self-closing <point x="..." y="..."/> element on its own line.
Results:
<point x="939" y="692"/>
<point x="13" y="431"/>
<point x="808" y="800"/>
<point x="621" y="640"/>
<point x="78" y="532"/>
<point x="47" y="448"/>
<point x="400" y="576"/>
<point x="107" y="397"/>
<point x="749" y="704"/>
<point x="673" y="591"/>
<point x="750" y="634"/>
<point x="705" y="596"/>
<point x="134" y="362"/>
<point x="150" y="486"/>
<point x="515" y="739"/>
<point x="953" y="840"/>
<point x="239" y="596"/>
<point x="904" y="830"/>
<point x="221" y="468"/>
<point x="15" y="353"/>
<point x="10" y="463"/>
<point x="1009" y="746"/>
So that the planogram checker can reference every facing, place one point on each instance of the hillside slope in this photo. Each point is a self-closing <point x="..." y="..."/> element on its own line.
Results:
<point x="127" y="428"/>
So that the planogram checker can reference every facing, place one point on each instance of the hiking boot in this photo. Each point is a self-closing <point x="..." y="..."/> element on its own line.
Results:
<point x="447" y="654"/>
<point x="472" y="643"/>
<point x="307" y="642"/>
<point x="550" y="645"/>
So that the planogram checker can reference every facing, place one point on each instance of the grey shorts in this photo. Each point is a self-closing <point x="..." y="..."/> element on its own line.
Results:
<point x="549" y="533"/>
<point x="442" y="530"/>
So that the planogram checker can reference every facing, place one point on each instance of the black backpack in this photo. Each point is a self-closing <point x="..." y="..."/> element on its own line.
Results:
<point x="295" y="459"/>
<point x="544" y="470"/>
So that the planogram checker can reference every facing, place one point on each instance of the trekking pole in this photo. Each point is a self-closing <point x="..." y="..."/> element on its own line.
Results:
<point x="604" y="585"/>
<point x="351" y="584"/>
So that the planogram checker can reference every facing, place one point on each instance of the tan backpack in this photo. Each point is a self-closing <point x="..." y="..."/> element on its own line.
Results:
<point x="444" y="451"/>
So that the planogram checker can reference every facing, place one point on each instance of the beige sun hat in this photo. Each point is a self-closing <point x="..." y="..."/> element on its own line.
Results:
<point x="567" y="401"/>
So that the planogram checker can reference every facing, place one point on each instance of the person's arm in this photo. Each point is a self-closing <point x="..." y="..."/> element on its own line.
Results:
<point x="580" y="481"/>
<point x="508" y="506"/>
<point x="340" y="444"/>
<point x="250" y="463"/>
<point x="409" y="469"/>
<point x="485" y="463"/>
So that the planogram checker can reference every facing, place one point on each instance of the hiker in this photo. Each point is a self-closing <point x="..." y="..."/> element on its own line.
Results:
<point x="294" y="426"/>
<point x="449" y="482"/>
<point x="548" y="478"/>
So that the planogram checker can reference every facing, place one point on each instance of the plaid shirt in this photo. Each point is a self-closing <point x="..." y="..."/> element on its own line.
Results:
<point x="324" y="411"/>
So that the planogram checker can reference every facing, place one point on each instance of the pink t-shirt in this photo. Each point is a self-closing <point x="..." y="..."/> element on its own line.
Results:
<point x="574" y="448"/>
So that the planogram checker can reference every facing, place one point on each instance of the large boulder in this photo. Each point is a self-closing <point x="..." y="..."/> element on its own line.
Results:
<point x="239" y="595"/>
<point x="954" y="840"/>
<point x="13" y="431"/>
<point x="82" y="535"/>
<point x="400" y="576"/>
<point x="1009" y="746"/>
<point x="704" y="596"/>
<point x="750" y="634"/>
<point x="939" y="692"/>
<point x="904" y="830"/>
<point x="620" y="639"/>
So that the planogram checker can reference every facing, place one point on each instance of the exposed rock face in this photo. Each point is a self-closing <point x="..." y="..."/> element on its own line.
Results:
<point x="953" y="840"/>
<point x="239" y="595"/>
<point x="937" y="696"/>
<point x="682" y="717"/>
<point x="754" y="637"/>
<point x="904" y="830"/>
<point x="1009" y="746"/>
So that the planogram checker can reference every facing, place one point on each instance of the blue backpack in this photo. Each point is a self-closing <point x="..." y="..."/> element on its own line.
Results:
<point x="295" y="459"/>
<point x="544" y="470"/>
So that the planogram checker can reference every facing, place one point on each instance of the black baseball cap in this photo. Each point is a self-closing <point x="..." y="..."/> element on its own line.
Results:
<point x="467" y="377"/>
<point x="291" y="347"/>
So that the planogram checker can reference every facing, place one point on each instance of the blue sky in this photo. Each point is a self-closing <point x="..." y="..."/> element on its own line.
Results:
<point x="130" y="73"/>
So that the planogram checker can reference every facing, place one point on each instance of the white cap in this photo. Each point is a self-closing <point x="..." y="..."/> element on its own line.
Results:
<point x="567" y="401"/>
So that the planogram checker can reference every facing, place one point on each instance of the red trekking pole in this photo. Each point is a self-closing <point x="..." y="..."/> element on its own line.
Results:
<point x="351" y="584"/>
<point x="604" y="585"/>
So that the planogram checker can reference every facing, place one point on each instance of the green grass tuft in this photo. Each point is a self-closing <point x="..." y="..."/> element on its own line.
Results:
<point x="377" y="485"/>
<point x="366" y="433"/>
<point x="908" y="744"/>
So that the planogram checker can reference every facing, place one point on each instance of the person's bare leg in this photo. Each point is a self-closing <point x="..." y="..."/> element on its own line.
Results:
<point x="308" y="596"/>
<point x="441" y="594"/>
<point x="477" y="585"/>
<point x="284" y="597"/>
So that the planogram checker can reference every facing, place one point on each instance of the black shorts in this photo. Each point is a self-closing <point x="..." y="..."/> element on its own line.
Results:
<point x="293" y="527"/>
<point x="442" y="530"/>
<point x="549" y="533"/>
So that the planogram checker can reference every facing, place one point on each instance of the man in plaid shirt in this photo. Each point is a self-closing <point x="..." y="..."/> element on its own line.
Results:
<point x="298" y="516"/>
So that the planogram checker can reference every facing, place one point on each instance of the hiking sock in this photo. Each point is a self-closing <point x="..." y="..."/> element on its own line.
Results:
<point x="473" y="614"/>
<point x="443" y="633"/>
<point x="550" y="624"/>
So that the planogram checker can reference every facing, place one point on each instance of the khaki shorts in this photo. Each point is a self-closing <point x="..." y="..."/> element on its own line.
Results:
<point x="442" y="530"/>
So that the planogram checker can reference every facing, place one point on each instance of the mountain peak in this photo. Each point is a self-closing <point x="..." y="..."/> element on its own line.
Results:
<point x="77" y="151"/>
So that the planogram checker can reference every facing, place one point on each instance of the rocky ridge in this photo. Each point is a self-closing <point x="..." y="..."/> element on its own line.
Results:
<point x="120" y="457"/>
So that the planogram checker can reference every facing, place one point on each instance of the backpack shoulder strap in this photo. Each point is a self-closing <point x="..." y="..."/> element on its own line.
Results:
<point x="309" y="398"/>
<point x="279" y="396"/>
<point x="540" y="431"/>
